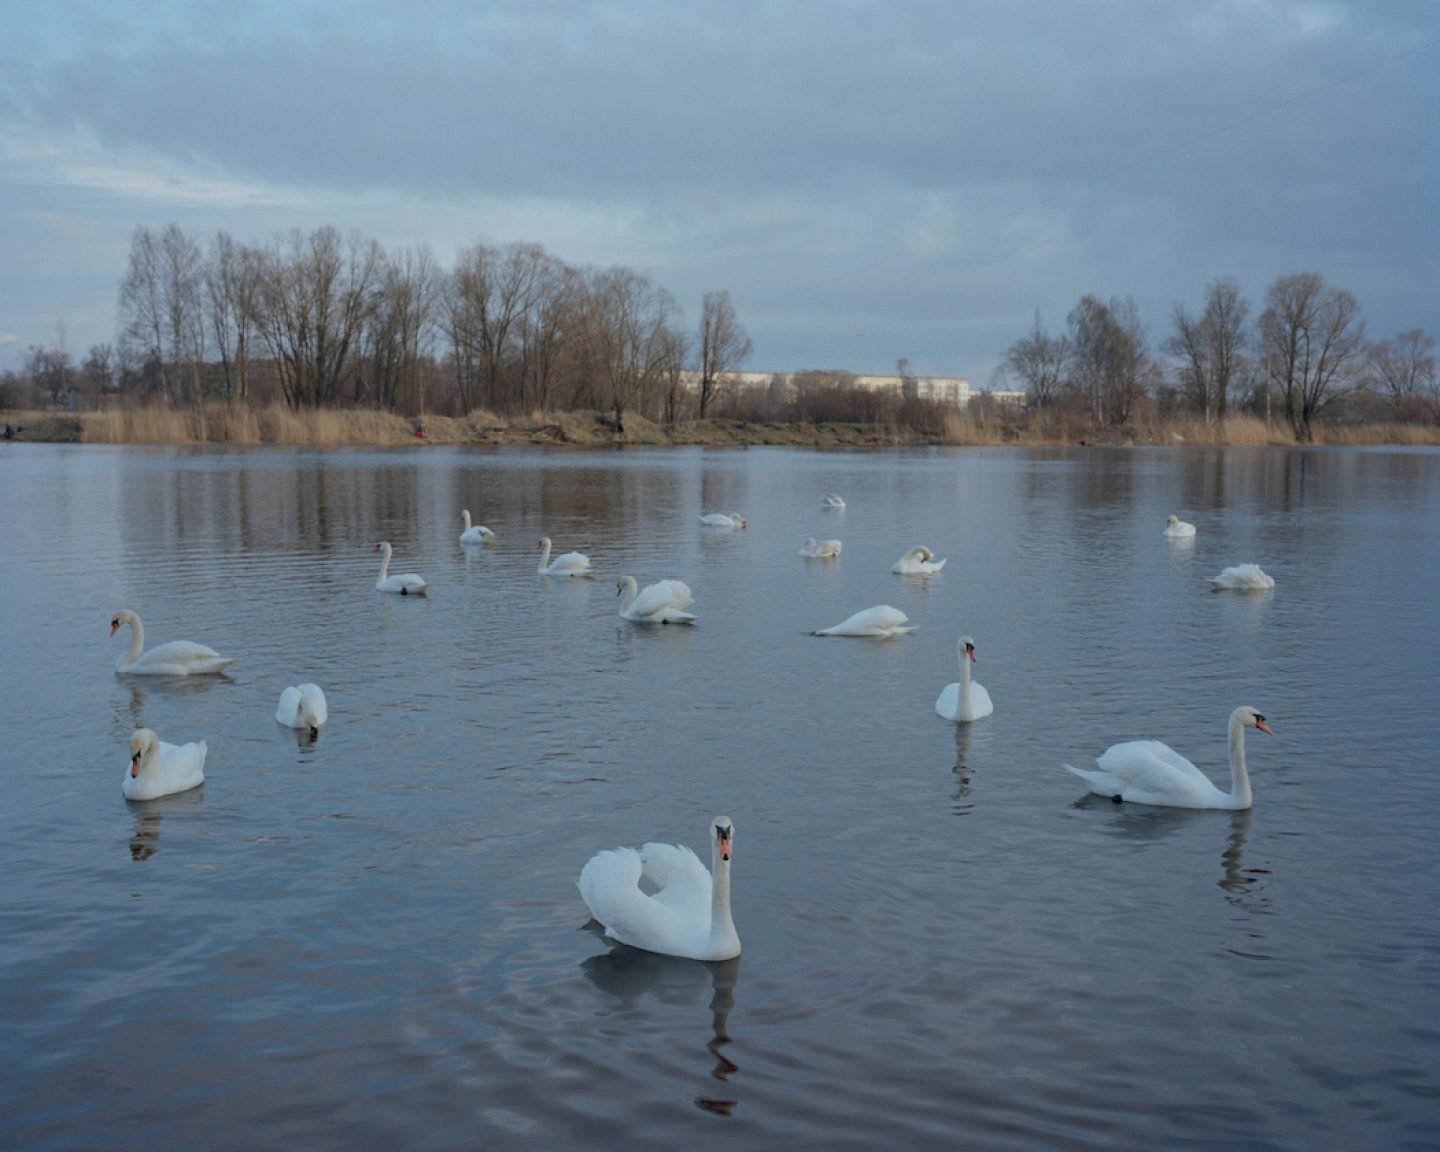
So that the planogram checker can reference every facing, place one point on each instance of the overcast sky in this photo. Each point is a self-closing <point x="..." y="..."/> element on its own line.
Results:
<point x="868" y="180"/>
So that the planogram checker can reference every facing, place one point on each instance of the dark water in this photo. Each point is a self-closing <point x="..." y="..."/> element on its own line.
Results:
<point x="377" y="939"/>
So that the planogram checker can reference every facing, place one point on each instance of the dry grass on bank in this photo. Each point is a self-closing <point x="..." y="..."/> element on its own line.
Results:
<point x="239" y="424"/>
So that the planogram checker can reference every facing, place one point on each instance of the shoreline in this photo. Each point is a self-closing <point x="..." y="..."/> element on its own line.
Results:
<point x="242" y="426"/>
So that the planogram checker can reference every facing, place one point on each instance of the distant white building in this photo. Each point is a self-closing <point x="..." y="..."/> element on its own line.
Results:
<point x="953" y="390"/>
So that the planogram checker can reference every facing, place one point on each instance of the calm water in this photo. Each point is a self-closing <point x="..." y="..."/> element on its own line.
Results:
<point x="377" y="939"/>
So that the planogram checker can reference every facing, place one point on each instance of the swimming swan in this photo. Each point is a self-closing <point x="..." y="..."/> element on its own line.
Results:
<point x="881" y="621"/>
<point x="964" y="700"/>
<point x="478" y="534"/>
<point x="833" y="502"/>
<point x="303" y="707"/>
<point x="660" y="603"/>
<point x="724" y="520"/>
<point x="1243" y="578"/>
<point x="570" y="564"/>
<point x="1178" y="529"/>
<point x="1149" y="772"/>
<point x="160" y="769"/>
<point x="175" y="658"/>
<point x="688" y="914"/>
<point x="406" y="584"/>
<point x="819" y="550"/>
<point x="919" y="561"/>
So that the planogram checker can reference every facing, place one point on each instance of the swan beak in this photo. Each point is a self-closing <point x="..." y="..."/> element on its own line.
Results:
<point x="114" y="627"/>
<point x="314" y="732"/>
<point x="1264" y="727"/>
<point x="135" y="766"/>
<point x="722" y="841"/>
<point x="970" y="652"/>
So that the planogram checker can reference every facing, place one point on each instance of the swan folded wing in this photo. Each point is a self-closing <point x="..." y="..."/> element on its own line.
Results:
<point x="315" y="697"/>
<point x="1150" y="768"/>
<point x="179" y="656"/>
<point x="655" y="599"/>
<point x="682" y="882"/>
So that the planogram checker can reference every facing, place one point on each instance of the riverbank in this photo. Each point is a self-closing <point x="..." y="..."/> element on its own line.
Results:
<point x="241" y="425"/>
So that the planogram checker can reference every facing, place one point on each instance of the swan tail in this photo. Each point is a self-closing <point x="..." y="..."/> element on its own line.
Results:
<point x="607" y="879"/>
<point x="1101" y="783"/>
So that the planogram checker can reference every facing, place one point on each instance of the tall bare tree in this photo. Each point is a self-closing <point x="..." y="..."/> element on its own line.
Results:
<point x="632" y="338"/>
<point x="1110" y="360"/>
<point x="232" y="276"/>
<point x="1402" y="370"/>
<point x="316" y="297"/>
<point x="398" y="337"/>
<point x="1039" y="362"/>
<point x="1311" y="336"/>
<point x="723" y="344"/>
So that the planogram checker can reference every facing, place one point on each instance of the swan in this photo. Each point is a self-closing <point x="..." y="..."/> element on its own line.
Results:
<point x="964" y="700"/>
<point x="919" y="561"/>
<point x="819" y="550"/>
<point x="1178" y="529"/>
<point x="175" y="658"/>
<point x="689" y="913"/>
<point x="159" y="769"/>
<point x="661" y="603"/>
<point x="406" y="584"/>
<point x="570" y="564"/>
<point x="882" y="621"/>
<point x="478" y="534"/>
<point x="724" y="520"/>
<point x="834" y="502"/>
<point x="1243" y="578"/>
<point x="303" y="707"/>
<point x="1149" y="772"/>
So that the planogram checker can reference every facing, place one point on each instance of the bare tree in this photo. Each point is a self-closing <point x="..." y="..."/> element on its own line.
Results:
<point x="548" y="332"/>
<point x="1310" y="336"/>
<point x="316" y="297"/>
<point x="632" y="337"/>
<point x="723" y="344"/>
<point x="493" y="291"/>
<point x="232" y="277"/>
<point x="1040" y="363"/>
<point x="142" y="306"/>
<point x="161" y="307"/>
<point x="397" y="339"/>
<point x="1402" y="370"/>
<point x="1110" y="360"/>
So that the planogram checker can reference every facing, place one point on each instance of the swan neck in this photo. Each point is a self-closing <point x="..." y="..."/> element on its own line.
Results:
<point x="722" y="927"/>
<point x="964" y="701"/>
<point x="632" y="590"/>
<point x="544" y="554"/>
<point x="137" y="640"/>
<point x="384" y="563"/>
<point x="1239" y="777"/>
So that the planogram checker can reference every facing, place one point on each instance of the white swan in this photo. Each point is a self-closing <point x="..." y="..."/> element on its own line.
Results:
<point x="919" y="561"/>
<point x="175" y="658"/>
<point x="964" y="700"/>
<point x="405" y="584"/>
<point x="820" y="550"/>
<point x="303" y="707"/>
<point x="1178" y="529"/>
<point x="1149" y="772"/>
<point x="724" y="520"/>
<point x="476" y="534"/>
<point x="160" y="769"/>
<point x="880" y="621"/>
<point x="570" y="564"/>
<point x="660" y="603"/>
<point x="1243" y="578"/>
<point x="833" y="502"/>
<point x="688" y="914"/>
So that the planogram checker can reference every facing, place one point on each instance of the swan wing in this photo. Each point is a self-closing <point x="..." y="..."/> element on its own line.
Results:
<point x="1151" y="772"/>
<point x="288" y="710"/>
<point x="178" y="768"/>
<point x="947" y="704"/>
<point x="980" y="703"/>
<point x="882" y="620"/>
<point x="313" y="696"/>
<point x="407" y="584"/>
<point x="664" y="599"/>
<point x="179" y="658"/>
<point x="570" y="564"/>
<point x="610" y="886"/>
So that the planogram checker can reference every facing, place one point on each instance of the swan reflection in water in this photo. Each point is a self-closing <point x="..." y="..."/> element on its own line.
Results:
<point x="629" y="974"/>
<point x="963" y="735"/>
<point x="150" y="814"/>
<point x="143" y="687"/>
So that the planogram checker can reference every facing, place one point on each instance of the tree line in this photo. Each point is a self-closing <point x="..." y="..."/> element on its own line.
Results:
<point x="1306" y="356"/>
<point x="323" y="318"/>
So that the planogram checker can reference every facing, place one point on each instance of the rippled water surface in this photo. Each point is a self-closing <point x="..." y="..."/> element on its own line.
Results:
<point x="376" y="939"/>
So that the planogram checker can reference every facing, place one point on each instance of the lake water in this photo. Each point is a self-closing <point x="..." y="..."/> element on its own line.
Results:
<point x="377" y="940"/>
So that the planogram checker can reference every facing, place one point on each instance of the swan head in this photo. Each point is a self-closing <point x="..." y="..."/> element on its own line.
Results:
<point x="1251" y="718"/>
<point x="124" y="616"/>
<point x="1172" y="520"/>
<point x="724" y="838"/>
<point x="384" y="547"/>
<point x="967" y="647"/>
<point x="739" y="519"/>
<point x="142" y="742"/>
